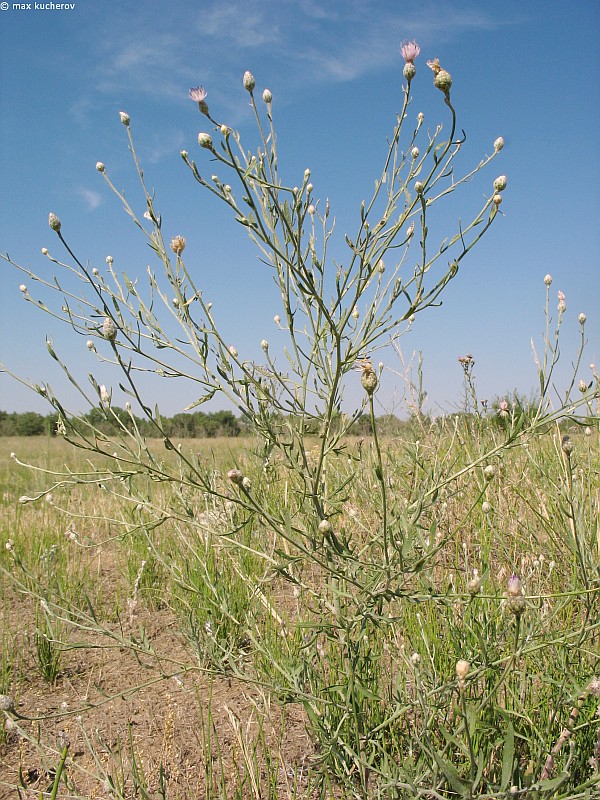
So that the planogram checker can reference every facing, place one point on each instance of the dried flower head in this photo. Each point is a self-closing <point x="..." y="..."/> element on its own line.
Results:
<point x="236" y="476"/>
<point x="442" y="79"/>
<point x="178" y="245"/>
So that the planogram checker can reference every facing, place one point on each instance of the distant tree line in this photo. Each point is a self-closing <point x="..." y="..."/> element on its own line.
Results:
<point x="194" y="426"/>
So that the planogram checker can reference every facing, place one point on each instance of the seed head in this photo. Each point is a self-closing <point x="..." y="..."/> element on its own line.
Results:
<point x="125" y="119"/>
<point x="248" y="81"/>
<point x="109" y="330"/>
<point x="54" y="222"/>
<point x="178" y="245"/>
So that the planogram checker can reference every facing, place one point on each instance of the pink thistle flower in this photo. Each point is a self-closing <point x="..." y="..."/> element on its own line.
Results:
<point x="410" y="50"/>
<point x="198" y="94"/>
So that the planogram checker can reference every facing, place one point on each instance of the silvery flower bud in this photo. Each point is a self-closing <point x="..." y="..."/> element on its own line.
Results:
<point x="489" y="472"/>
<point x="582" y="318"/>
<point x="205" y="140"/>
<point x="419" y="187"/>
<point x="567" y="445"/>
<point x="462" y="670"/>
<point x="369" y="381"/>
<point x="267" y="96"/>
<point x="414" y="153"/>
<point x="499" y="144"/>
<point x="54" y="222"/>
<point x="124" y="118"/>
<point x="23" y="288"/>
<point x="248" y="81"/>
<point x="100" y="167"/>
<point x="109" y="330"/>
<point x="409" y="71"/>
<point x="497" y="199"/>
<point x="90" y="345"/>
<point x="500" y="183"/>
<point x="265" y="345"/>
<point x="246" y="483"/>
<point x="104" y="394"/>
<point x="548" y="280"/>
<point x="6" y="703"/>
<point x="325" y="527"/>
<point x="582" y="386"/>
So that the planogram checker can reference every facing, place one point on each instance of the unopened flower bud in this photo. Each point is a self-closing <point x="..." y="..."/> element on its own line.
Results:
<point x="233" y="351"/>
<point x="369" y="381"/>
<point x="497" y="199"/>
<point x="44" y="251"/>
<point x="414" y="153"/>
<point x="267" y="96"/>
<point x="582" y="318"/>
<point x="489" y="472"/>
<point x="277" y="319"/>
<point x="325" y="527"/>
<point x="54" y="222"/>
<point x="582" y="386"/>
<point x="409" y="71"/>
<point x="246" y="483"/>
<point x="419" y="187"/>
<point x="109" y="330"/>
<point x="486" y="507"/>
<point x="90" y="345"/>
<point x="567" y="445"/>
<point x="23" y="288"/>
<point x="248" y="81"/>
<point x="100" y="167"/>
<point x="420" y="117"/>
<point x="124" y="118"/>
<point x="104" y="394"/>
<point x="205" y="140"/>
<point x="548" y="280"/>
<point x="265" y="345"/>
<point x="109" y="260"/>
<point x="474" y="584"/>
<point x="311" y="209"/>
<point x="499" y="144"/>
<point x="500" y="183"/>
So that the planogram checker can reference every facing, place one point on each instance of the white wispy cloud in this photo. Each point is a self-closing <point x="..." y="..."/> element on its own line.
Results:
<point x="90" y="198"/>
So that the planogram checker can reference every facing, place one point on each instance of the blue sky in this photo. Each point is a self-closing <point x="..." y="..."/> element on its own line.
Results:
<point x="522" y="70"/>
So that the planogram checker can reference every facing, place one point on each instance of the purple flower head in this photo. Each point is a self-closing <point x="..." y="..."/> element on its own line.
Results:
<point x="410" y="50"/>
<point x="198" y="94"/>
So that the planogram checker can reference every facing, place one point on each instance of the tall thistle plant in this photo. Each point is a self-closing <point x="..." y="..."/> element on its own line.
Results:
<point x="349" y="583"/>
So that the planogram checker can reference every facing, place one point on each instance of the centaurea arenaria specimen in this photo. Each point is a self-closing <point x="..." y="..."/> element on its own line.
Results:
<point x="198" y="95"/>
<point x="410" y="50"/>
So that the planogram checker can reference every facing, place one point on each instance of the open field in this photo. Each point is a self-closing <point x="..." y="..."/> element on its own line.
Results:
<point x="173" y="642"/>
